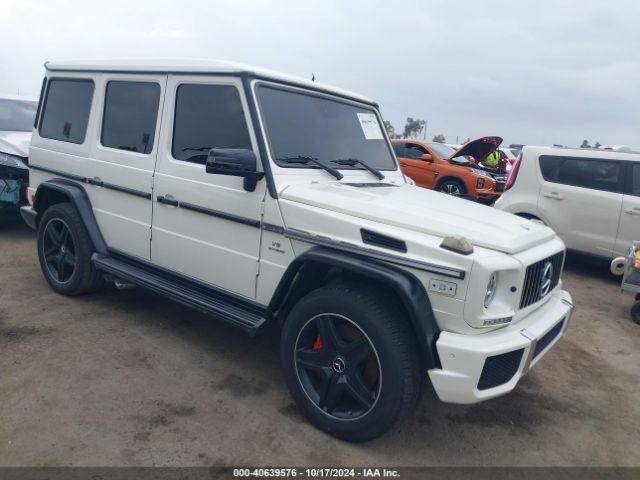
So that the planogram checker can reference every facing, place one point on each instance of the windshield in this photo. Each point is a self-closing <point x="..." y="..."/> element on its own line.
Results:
<point x="443" y="151"/>
<point x="305" y="125"/>
<point x="17" y="115"/>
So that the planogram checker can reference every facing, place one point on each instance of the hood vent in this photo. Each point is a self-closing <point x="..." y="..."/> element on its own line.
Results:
<point x="379" y="240"/>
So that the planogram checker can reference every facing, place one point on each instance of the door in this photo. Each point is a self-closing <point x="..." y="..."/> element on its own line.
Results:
<point x="422" y="171"/>
<point x="581" y="199"/>
<point x="629" y="229"/>
<point x="206" y="226"/>
<point x="123" y="159"/>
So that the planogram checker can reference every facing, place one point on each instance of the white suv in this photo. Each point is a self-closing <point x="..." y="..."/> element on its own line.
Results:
<point x="264" y="199"/>
<point x="591" y="198"/>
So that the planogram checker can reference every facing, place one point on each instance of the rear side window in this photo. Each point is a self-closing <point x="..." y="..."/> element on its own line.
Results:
<point x="207" y="116"/>
<point x="66" y="110"/>
<point x="635" y="179"/>
<point x="130" y="115"/>
<point x="596" y="174"/>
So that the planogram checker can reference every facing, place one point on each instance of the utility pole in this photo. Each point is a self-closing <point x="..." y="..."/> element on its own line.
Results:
<point x="426" y="124"/>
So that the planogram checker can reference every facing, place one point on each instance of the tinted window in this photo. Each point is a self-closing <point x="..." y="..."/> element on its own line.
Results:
<point x="207" y="116"/>
<point x="635" y="185"/>
<point x="66" y="110"/>
<point x="300" y="124"/>
<point x="130" y="114"/>
<point x="398" y="149"/>
<point x="414" y="152"/>
<point x="583" y="172"/>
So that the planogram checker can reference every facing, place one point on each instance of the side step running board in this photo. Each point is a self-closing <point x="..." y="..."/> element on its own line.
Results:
<point x="247" y="317"/>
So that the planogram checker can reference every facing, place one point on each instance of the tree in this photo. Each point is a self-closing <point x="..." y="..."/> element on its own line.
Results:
<point x="391" y="131"/>
<point x="585" y="144"/>
<point x="597" y="145"/>
<point x="439" y="138"/>
<point x="413" y="127"/>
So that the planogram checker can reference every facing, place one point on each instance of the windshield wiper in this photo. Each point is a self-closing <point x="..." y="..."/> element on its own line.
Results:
<point x="352" y="162"/>
<point x="303" y="159"/>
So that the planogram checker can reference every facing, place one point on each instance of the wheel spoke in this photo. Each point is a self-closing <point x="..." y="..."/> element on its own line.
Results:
<point x="60" y="267"/>
<point x="69" y="259"/>
<point x="330" y="394"/>
<point x="358" y="351"/>
<point x="312" y="360"/>
<point x="355" y="387"/>
<point x="54" y="235"/>
<point x="329" y="334"/>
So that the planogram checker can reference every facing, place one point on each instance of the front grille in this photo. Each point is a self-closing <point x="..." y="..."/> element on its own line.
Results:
<point x="548" y="338"/>
<point x="499" y="369"/>
<point x="532" y="290"/>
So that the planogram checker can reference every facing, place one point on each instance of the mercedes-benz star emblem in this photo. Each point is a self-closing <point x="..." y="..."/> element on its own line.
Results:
<point x="338" y="365"/>
<point x="545" y="283"/>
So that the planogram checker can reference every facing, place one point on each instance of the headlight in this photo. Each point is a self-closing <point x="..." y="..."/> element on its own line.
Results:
<point x="491" y="289"/>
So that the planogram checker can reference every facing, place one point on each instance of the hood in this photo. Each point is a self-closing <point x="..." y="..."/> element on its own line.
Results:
<point x="425" y="211"/>
<point x="15" y="143"/>
<point x="478" y="149"/>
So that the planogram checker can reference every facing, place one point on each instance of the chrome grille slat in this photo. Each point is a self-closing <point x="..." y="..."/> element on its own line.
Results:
<point x="533" y="278"/>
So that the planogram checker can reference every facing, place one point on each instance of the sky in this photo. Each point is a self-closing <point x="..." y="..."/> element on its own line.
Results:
<point x="532" y="72"/>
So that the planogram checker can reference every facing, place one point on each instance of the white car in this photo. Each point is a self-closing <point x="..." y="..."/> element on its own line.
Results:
<point x="591" y="198"/>
<point x="17" y="114"/>
<point x="268" y="200"/>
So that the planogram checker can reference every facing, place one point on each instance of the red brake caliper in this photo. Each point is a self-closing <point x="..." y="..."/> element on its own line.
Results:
<point x="317" y="345"/>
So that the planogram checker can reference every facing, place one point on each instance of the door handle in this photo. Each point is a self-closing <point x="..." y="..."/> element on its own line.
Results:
<point x="168" y="200"/>
<point x="632" y="211"/>
<point x="554" y="195"/>
<point x="436" y="173"/>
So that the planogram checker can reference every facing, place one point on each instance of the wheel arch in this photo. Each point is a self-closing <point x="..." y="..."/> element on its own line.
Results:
<point x="317" y="267"/>
<point x="56" y="191"/>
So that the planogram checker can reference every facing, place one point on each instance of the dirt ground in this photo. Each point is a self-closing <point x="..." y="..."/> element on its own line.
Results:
<point x="129" y="378"/>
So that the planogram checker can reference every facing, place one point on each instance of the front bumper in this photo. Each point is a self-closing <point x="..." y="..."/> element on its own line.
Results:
<point x="480" y="367"/>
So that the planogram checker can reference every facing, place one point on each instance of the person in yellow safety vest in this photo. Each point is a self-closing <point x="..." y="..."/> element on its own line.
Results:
<point x="492" y="160"/>
<point x="637" y="258"/>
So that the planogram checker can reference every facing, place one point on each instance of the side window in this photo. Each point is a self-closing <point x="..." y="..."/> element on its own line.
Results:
<point x="130" y="115"/>
<point x="66" y="110"/>
<point x="583" y="172"/>
<point x="415" y="152"/>
<point x="635" y="179"/>
<point x="207" y="116"/>
<point x="398" y="148"/>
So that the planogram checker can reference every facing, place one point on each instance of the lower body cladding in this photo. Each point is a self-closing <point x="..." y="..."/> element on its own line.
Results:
<point x="480" y="367"/>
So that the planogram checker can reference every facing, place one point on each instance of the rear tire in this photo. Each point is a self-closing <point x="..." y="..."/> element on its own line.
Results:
<point x="64" y="252"/>
<point x="350" y="361"/>
<point x="635" y="312"/>
<point x="452" y="187"/>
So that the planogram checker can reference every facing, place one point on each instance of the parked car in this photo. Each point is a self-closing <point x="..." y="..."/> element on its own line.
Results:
<point x="457" y="172"/>
<point x="17" y="114"/>
<point x="591" y="198"/>
<point x="268" y="200"/>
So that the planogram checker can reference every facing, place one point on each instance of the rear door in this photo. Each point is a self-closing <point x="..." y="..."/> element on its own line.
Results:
<point x="581" y="199"/>
<point x="413" y="165"/>
<point x="629" y="229"/>
<point x="206" y="226"/>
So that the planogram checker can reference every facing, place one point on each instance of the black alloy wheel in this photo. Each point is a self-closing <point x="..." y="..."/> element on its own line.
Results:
<point x="58" y="250"/>
<point x="338" y="367"/>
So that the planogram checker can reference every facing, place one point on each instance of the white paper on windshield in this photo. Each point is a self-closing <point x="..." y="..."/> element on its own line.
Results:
<point x="370" y="126"/>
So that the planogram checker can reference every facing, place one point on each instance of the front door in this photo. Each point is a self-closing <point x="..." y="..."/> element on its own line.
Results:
<point x="415" y="166"/>
<point x="206" y="226"/>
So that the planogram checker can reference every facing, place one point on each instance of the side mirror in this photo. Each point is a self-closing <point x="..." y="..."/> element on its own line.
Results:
<point x="427" y="157"/>
<point x="238" y="162"/>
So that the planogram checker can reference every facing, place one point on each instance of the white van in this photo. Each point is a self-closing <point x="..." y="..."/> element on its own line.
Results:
<point x="591" y="198"/>
<point x="272" y="201"/>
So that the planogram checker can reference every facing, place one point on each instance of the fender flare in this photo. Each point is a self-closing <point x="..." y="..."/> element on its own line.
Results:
<point x="77" y="196"/>
<point x="404" y="284"/>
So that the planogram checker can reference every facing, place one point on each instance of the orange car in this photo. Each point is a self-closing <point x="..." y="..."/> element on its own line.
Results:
<point x="456" y="172"/>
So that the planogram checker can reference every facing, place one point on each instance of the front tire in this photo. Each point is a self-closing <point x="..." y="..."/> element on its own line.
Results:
<point x="452" y="187"/>
<point x="64" y="252"/>
<point x="350" y="362"/>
